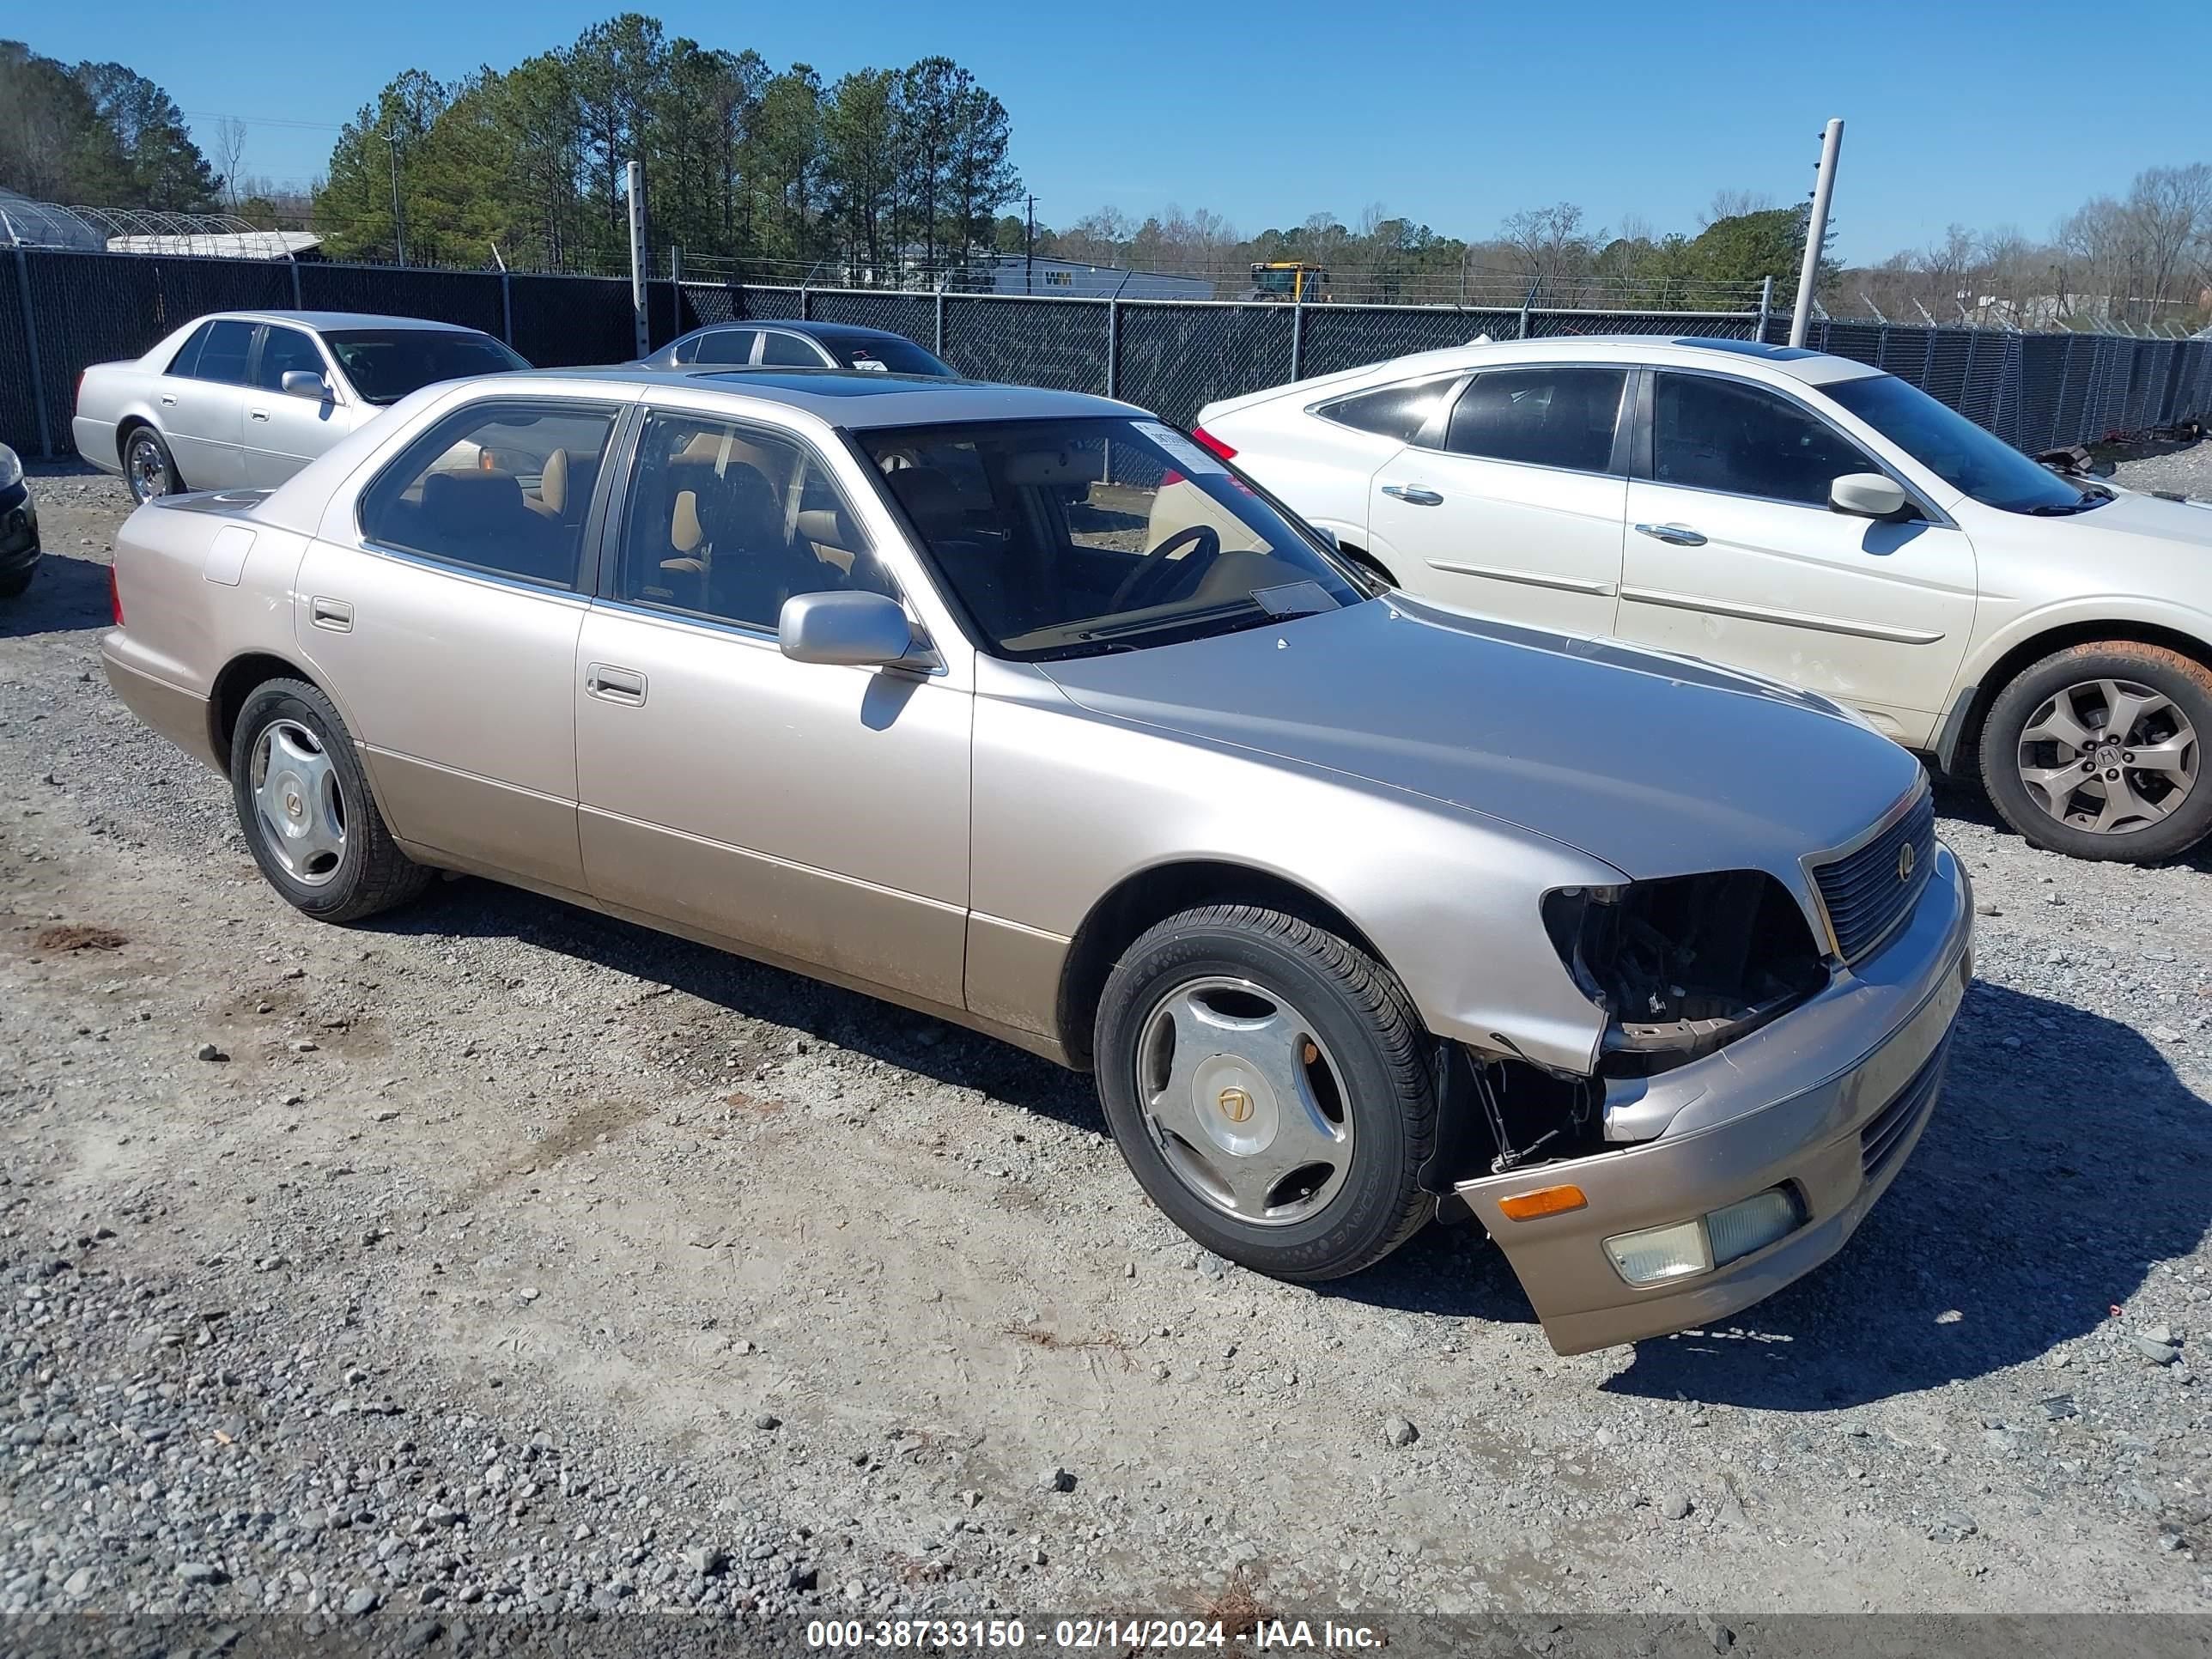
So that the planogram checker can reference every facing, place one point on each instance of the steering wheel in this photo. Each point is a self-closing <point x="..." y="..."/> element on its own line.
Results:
<point x="1156" y="569"/>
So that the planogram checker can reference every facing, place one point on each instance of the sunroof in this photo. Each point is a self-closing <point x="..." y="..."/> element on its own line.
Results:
<point x="829" y="382"/>
<point x="1750" y="348"/>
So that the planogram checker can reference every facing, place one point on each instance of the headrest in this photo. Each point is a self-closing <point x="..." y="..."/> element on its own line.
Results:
<point x="553" y="488"/>
<point x="684" y="532"/>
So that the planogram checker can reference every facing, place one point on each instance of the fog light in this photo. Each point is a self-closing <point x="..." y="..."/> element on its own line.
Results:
<point x="1661" y="1253"/>
<point x="1753" y="1224"/>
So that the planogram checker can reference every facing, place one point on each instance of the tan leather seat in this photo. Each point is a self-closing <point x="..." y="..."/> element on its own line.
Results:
<point x="552" y="497"/>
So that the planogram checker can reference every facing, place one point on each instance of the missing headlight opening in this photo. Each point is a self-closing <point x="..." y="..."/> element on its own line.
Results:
<point x="1684" y="965"/>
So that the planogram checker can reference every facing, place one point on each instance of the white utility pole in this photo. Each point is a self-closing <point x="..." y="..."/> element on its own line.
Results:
<point x="637" y="256"/>
<point x="1831" y="144"/>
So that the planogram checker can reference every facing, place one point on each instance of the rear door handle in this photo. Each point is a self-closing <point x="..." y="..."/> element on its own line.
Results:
<point x="1679" y="535"/>
<point x="613" y="685"/>
<point x="169" y="399"/>
<point x="337" y="615"/>
<point x="1413" y="494"/>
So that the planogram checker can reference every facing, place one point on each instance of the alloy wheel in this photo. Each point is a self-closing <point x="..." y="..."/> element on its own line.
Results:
<point x="149" y="472"/>
<point x="2109" y="756"/>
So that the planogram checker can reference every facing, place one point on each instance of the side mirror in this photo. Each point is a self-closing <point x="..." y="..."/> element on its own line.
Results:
<point x="304" y="383"/>
<point x="1867" y="495"/>
<point x="859" y="629"/>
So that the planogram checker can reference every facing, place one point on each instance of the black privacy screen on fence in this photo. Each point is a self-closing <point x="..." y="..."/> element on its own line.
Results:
<point x="62" y="311"/>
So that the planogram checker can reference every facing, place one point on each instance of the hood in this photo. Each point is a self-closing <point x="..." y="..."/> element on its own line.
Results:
<point x="2168" y="517"/>
<point x="1658" y="765"/>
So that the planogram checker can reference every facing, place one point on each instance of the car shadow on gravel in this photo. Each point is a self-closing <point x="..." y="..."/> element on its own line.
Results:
<point x="2053" y="1178"/>
<point x="863" y="1024"/>
<point x="66" y="594"/>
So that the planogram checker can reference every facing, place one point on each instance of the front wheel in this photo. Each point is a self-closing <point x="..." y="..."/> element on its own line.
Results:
<point x="304" y="802"/>
<point x="2096" y="752"/>
<point x="1267" y="1082"/>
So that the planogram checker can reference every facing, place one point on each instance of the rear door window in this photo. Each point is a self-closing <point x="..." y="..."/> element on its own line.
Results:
<point x="1539" y="416"/>
<point x="724" y="345"/>
<point x="788" y="350"/>
<point x="188" y="355"/>
<point x="224" y="353"/>
<point x="500" y="486"/>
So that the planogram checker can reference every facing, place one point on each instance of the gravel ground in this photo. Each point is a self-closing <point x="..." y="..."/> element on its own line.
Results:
<point x="500" y="1260"/>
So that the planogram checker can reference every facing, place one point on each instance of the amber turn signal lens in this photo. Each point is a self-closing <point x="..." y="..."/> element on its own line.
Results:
<point x="1544" y="1200"/>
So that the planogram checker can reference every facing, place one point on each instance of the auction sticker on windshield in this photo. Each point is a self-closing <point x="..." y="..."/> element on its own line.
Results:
<point x="1189" y="455"/>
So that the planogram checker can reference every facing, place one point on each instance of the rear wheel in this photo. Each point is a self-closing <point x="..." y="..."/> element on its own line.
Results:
<point x="148" y="466"/>
<point x="303" y="801"/>
<point x="2097" y="751"/>
<point x="1267" y="1082"/>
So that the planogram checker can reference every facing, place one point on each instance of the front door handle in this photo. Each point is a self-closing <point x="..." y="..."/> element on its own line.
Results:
<point x="1677" y="535"/>
<point x="1413" y="494"/>
<point x="613" y="685"/>
<point x="337" y="615"/>
<point x="257" y="414"/>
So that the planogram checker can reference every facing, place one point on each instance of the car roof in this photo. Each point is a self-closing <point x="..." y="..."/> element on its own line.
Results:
<point x="321" y="320"/>
<point x="1814" y="367"/>
<point x="849" y="398"/>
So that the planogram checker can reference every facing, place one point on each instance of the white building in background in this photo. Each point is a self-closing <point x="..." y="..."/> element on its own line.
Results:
<point x="1015" y="273"/>
<point x="227" y="245"/>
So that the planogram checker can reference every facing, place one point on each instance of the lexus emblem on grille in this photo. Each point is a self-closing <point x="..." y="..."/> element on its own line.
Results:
<point x="1905" y="857"/>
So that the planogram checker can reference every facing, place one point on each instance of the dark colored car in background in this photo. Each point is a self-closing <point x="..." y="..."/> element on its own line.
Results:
<point x="19" y="527"/>
<point x="784" y="343"/>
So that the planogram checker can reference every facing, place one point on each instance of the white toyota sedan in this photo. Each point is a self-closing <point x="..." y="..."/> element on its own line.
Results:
<point x="1796" y="515"/>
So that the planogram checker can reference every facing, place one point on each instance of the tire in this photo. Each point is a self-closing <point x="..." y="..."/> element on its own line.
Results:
<point x="148" y="469"/>
<point x="1358" y="1047"/>
<point x="310" y="778"/>
<point x="2167" y="700"/>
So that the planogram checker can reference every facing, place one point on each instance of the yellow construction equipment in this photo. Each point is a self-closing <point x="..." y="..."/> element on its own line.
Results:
<point x="1289" y="279"/>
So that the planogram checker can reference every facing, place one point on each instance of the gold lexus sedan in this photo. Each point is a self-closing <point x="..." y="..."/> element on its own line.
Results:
<point x="1362" y="911"/>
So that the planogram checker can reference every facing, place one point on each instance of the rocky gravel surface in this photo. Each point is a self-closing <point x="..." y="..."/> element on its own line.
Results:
<point x="497" y="1261"/>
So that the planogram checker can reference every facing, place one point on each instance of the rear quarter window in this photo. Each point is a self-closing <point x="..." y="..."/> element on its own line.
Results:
<point x="1403" y="411"/>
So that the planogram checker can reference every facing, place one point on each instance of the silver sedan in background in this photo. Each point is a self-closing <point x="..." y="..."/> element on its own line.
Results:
<point x="245" y="399"/>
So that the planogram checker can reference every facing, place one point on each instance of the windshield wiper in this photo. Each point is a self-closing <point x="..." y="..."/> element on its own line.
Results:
<point x="1080" y="649"/>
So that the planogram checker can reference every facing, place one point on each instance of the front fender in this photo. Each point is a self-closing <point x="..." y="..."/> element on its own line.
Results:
<point x="1068" y="804"/>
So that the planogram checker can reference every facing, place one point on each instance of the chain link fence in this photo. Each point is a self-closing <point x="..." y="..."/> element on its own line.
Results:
<point x="62" y="310"/>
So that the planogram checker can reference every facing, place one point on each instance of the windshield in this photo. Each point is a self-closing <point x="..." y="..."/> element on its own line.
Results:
<point x="1063" y="539"/>
<point x="1957" y="451"/>
<point x="887" y="357"/>
<point x="386" y="365"/>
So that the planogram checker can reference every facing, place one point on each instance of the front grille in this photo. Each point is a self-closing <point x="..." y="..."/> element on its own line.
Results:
<point x="1880" y="1140"/>
<point x="1865" y="896"/>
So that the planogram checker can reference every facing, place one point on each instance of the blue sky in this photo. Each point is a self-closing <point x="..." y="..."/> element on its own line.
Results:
<point x="1455" y="115"/>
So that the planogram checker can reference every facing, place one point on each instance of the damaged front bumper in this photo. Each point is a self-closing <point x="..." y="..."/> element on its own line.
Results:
<point x="1824" y="1103"/>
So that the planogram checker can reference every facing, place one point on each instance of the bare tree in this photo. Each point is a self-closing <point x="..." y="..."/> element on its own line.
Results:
<point x="230" y="155"/>
<point x="1733" y="204"/>
<point x="1550" y="245"/>
<point x="2171" y="208"/>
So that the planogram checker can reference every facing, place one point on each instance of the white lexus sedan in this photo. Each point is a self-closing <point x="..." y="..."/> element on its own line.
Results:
<point x="1793" y="513"/>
